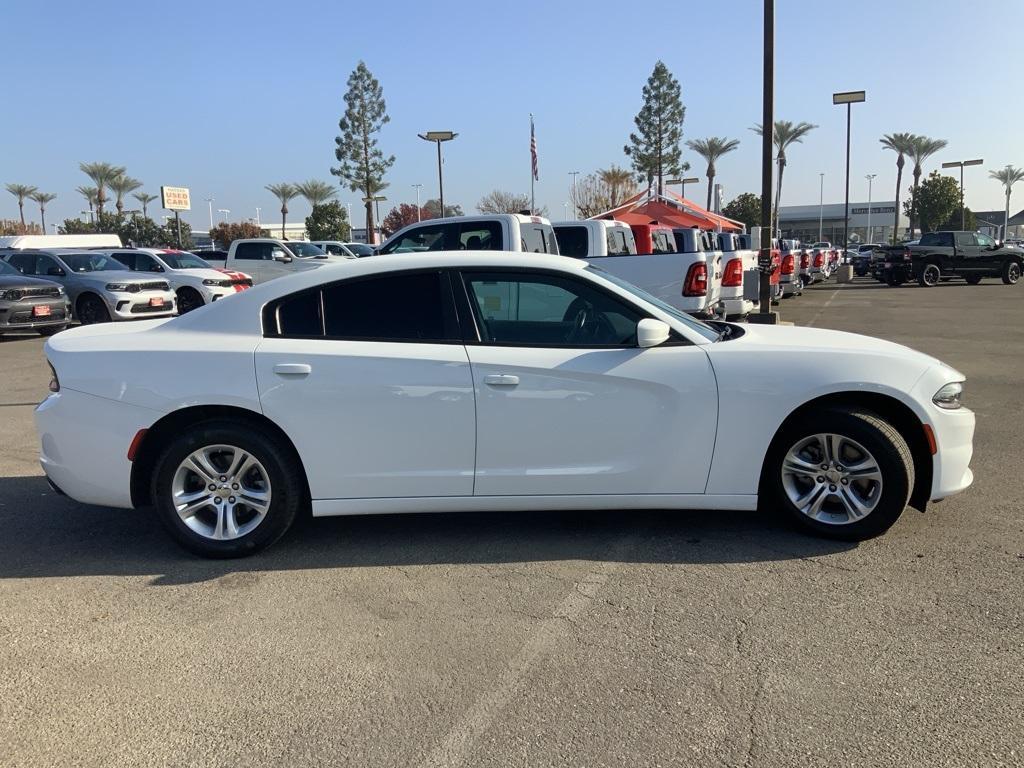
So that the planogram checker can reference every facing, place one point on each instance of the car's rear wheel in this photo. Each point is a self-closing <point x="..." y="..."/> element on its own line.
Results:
<point x="226" y="490"/>
<point x="845" y="474"/>
<point x="91" y="309"/>
<point x="188" y="299"/>
<point x="930" y="275"/>
<point x="1011" y="272"/>
<point x="973" y="279"/>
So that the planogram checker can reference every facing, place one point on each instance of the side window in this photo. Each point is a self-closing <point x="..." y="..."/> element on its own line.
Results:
<point x="23" y="262"/>
<point x="532" y="239"/>
<point x="48" y="266"/>
<point x="930" y="239"/>
<point x="663" y="243"/>
<point x="985" y="241"/>
<point x="548" y="311"/>
<point x="572" y="241"/>
<point x="618" y="243"/>
<point x="428" y="238"/>
<point x="128" y="259"/>
<point x="249" y="251"/>
<point x="146" y="263"/>
<point x="480" y="236"/>
<point x="944" y="239"/>
<point x="964" y="239"/>
<point x="299" y="315"/>
<point x="407" y="307"/>
<point x="550" y="241"/>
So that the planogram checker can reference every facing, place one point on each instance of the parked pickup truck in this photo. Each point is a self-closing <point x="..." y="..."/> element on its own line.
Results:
<point x="497" y="232"/>
<point x="969" y="255"/>
<point x="264" y="258"/>
<point x="594" y="237"/>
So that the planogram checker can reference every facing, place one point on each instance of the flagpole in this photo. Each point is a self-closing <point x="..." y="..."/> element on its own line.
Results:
<point x="533" y="202"/>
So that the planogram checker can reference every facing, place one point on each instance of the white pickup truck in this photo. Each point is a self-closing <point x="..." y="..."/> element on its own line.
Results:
<point x="264" y="258"/>
<point x="588" y="238"/>
<point x="739" y="259"/>
<point x="496" y="232"/>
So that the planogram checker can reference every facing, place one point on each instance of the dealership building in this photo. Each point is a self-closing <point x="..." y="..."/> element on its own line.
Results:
<point x="867" y="224"/>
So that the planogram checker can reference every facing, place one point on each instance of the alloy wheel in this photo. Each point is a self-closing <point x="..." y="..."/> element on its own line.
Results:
<point x="221" y="492"/>
<point x="932" y="274"/>
<point x="1013" y="273"/>
<point x="832" y="479"/>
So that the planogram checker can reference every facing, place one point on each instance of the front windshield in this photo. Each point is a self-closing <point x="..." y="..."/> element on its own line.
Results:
<point x="91" y="262"/>
<point x="184" y="260"/>
<point x="706" y="331"/>
<point x="7" y="269"/>
<point x="305" y="250"/>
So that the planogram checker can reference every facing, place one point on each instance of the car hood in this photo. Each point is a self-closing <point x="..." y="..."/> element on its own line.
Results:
<point x="105" y="276"/>
<point x="23" y="281"/>
<point x="206" y="274"/>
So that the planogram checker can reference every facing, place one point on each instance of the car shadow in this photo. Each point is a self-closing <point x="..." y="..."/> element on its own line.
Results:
<point x="46" y="535"/>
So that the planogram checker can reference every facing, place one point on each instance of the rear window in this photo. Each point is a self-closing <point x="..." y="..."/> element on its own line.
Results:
<point x="572" y="241"/>
<point x="940" y="239"/>
<point x="620" y="242"/>
<point x="480" y="236"/>
<point x="663" y="242"/>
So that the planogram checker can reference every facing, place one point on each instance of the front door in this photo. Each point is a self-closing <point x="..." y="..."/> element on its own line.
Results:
<point x="567" y="404"/>
<point x="370" y="379"/>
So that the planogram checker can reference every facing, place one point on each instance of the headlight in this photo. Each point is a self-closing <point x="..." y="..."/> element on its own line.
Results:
<point x="210" y="281"/>
<point x="949" y="396"/>
<point x="117" y="287"/>
<point x="8" y="295"/>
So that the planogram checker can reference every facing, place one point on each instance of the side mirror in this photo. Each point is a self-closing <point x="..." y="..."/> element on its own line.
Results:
<point x="279" y="255"/>
<point x="651" y="332"/>
<point x="55" y="272"/>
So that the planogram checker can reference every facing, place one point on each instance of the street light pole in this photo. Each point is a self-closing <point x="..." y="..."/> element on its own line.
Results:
<point x="764" y="257"/>
<point x="574" y="174"/>
<point x="849" y="98"/>
<point x="821" y="207"/>
<point x="225" y="211"/>
<point x="258" y="217"/>
<point x="419" y="217"/>
<point x="209" y="201"/>
<point x="960" y="164"/>
<point x="438" y="137"/>
<point x="870" y="177"/>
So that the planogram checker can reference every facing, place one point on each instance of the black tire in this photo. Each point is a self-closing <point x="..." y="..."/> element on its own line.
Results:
<point x="189" y="299"/>
<point x="1011" y="272"/>
<point x="878" y="437"/>
<point x="51" y="330"/>
<point x="930" y="276"/>
<point x="973" y="279"/>
<point x="91" y="309"/>
<point x="284" y="471"/>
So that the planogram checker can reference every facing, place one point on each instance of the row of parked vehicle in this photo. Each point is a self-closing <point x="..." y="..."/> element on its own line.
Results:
<point x="942" y="256"/>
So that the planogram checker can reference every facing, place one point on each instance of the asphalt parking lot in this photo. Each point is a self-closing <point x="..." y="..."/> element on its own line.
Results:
<point x="701" y="639"/>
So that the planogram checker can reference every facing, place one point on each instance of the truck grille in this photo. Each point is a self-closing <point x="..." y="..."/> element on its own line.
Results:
<point x="28" y="293"/>
<point x="154" y="286"/>
<point x="145" y="309"/>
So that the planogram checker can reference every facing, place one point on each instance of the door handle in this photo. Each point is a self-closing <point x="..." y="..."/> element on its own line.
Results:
<point x="293" y="369"/>
<point x="501" y="380"/>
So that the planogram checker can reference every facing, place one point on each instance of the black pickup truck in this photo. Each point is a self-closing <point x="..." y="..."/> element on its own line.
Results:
<point x="972" y="256"/>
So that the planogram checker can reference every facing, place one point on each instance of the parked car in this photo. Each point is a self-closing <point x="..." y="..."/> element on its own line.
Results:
<point x="490" y="382"/>
<point x="970" y="255"/>
<point x="335" y="248"/>
<point x="264" y="258"/>
<point x="194" y="281"/>
<point x="361" y="249"/>
<point x="30" y="304"/>
<point x="791" y="275"/>
<point x="35" y="242"/>
<point x="497" y="232"/>
<point x="861" y="259"/>
<point x="98" y="286"/>
<point x="594" y="237"/>
<point x="739" y="261"/>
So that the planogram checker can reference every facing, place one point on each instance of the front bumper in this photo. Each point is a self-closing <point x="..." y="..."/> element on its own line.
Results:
<point x="136" y="306"/>
<point x="19" y="315"/>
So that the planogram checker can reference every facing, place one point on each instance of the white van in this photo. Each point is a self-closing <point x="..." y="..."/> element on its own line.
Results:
<point x="496" y="232"/>
<point x="22" y="242"/>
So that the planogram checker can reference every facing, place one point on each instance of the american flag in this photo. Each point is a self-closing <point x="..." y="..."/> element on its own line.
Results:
<point x="533" y="151"/>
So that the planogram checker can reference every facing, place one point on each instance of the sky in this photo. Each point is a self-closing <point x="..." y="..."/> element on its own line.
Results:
<point x="227" y="97"/>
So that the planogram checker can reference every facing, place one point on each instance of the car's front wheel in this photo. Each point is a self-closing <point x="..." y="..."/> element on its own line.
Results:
<point x="226" y="490"/>
<point x="1011" y="272"/>
<point x="91" y="309"/>
<point x="845" y="474"/>
<point x="930" y="275"/>
<point x="188" y="299"/>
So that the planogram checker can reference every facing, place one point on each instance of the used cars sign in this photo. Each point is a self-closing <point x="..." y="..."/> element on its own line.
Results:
<point x="175" y="198"/>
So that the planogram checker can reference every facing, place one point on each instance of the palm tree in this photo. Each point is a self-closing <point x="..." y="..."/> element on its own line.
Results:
<point x="42" y="198"/>
<point x="1008" y="176"/>
<point x="315" y="192"/>
<point x="101" y="174"/>
<point x="89" y="193"/>
<point x="785" y="133"/>
<point x="921" y="148"/>
<point x="145" y="198"/>
<point x="712" y="149"/>
<point x="619" y="182"/>
<point x="121" y="186"/>
<point x="283" y="192"/>
<point x="902" y="144"/>
<point x="21" y="191"/>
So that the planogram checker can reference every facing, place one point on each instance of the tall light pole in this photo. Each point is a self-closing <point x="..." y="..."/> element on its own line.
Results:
<point x="960" y="164"/>
<point x="439" y="137"/>
<point x="565" y="207"/>
<point x="258" y="217"/>
<point x="225" y="211"/>
<point x="574" y="174"/>
<point x="870" y="177"/>
<point x="849" y="98"/>
<point x="209" y="202"/>
<point x="419" y="217"/>
<point x="821" y="207"/>
<point x="764" y="256"/>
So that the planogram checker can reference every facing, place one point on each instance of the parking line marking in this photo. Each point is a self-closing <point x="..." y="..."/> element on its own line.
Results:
<point x="824" y="306"/>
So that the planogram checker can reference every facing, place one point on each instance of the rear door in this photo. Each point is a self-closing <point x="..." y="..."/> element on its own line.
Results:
<point x="370" y="379"/>
<point x="567" y="404"/>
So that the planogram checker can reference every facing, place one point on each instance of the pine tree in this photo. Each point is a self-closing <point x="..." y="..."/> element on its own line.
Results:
<point x="655" y="149"/>
<point x="363" y="165"/>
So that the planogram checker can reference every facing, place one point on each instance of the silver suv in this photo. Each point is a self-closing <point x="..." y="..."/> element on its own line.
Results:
<point x="98" y="286"/>
<point x="28" y="304"/>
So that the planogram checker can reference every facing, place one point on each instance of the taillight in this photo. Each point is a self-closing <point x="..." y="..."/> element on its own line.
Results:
<point x="54" y="381"/>
<point x="805" y="260"/>
<point x="733" y="275"/>
<point x="696" y="283"/>
<point x="906" y="254"/>
<point x="788" y="264"/>
<point x="819" y="259"/>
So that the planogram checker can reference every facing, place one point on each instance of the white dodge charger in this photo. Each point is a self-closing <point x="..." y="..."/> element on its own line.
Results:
<point x="470" y="381"/>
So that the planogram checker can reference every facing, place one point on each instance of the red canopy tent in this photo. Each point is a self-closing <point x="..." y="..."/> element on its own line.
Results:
<point x="671" y="209"/>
